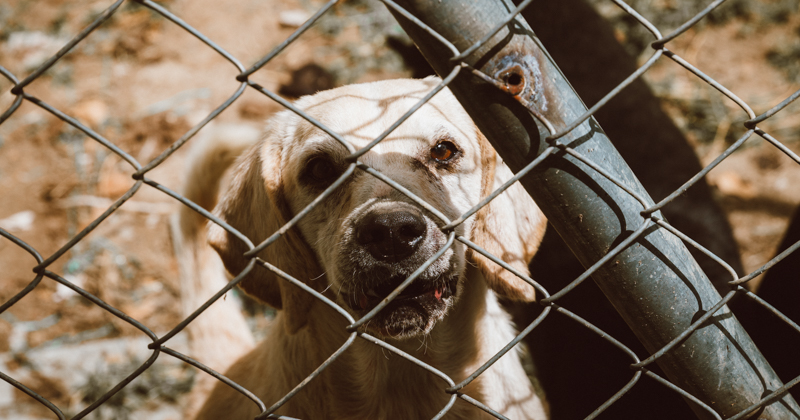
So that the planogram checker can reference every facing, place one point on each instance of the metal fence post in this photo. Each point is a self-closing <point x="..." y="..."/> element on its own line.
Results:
<point x="526" y="107"/>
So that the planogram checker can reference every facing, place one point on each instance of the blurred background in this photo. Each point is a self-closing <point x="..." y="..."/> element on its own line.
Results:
<point x="142" y="82"/>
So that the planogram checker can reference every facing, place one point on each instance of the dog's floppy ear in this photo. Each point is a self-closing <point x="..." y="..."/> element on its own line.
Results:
<point x="255" y="206"/>
<point x="510" y="227"/>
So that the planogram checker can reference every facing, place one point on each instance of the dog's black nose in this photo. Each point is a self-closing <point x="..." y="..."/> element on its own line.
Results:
<point x="391" y="236"/>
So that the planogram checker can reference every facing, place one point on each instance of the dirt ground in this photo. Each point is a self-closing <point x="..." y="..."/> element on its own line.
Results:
<point x="142" y="82"/>
<point x="756" y="186"/>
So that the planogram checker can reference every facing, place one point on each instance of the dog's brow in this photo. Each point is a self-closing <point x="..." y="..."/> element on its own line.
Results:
<point x="326" y="145"/>
<point x="442" y="133"/>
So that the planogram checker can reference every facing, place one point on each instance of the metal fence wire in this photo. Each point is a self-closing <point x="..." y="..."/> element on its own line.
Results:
<point x="773" y="399"/>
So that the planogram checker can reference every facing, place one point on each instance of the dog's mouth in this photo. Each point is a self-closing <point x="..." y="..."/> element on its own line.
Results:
<point x="414" y="311"/>
<point x="416" y="293"/>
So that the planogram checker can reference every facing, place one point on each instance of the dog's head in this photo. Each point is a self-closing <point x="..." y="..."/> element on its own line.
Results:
<point x="366" y="238"/>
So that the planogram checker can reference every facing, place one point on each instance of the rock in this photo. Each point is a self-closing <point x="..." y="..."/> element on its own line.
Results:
<point x="92" y="112"/>
<point x="293" y="18"/>
<point x="20" y="222"/>
<point x="307" y="80"/>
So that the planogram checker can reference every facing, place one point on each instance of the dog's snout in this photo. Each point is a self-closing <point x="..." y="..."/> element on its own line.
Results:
<point x="391" y="236"/>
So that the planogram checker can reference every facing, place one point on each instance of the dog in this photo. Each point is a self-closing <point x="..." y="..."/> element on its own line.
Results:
<point x="359" y="244"/>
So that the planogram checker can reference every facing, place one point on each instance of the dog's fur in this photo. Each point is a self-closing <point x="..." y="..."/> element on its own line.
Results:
<point x="360" y="243"/>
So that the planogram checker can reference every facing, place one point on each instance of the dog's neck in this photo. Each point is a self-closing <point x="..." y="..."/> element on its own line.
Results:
<point x="457" y="346"/>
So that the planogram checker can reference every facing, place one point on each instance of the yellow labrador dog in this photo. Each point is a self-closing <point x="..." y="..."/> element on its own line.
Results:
<point x="360" y="243"/>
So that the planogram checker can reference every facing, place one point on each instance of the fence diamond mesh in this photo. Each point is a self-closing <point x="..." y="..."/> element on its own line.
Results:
<point x="640" y="365"/>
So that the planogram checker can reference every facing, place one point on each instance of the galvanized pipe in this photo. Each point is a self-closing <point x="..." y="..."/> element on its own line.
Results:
<point x="654" y="283"/>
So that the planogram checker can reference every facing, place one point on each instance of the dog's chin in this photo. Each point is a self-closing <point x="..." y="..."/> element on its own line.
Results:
<point x="413" y="313"/>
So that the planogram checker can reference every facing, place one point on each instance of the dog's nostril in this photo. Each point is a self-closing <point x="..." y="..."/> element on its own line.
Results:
<point x="391" y="236"/>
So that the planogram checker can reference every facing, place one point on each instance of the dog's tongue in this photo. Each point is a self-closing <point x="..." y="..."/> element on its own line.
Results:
<point x="438" y="294"/>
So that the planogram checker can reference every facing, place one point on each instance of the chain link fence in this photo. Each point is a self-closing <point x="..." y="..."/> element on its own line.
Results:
<point x="549" y="299"/>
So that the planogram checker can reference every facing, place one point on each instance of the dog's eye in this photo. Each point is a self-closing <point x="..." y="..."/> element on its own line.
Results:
<point x="444" y="151"/>
<point x="321" y="170"/>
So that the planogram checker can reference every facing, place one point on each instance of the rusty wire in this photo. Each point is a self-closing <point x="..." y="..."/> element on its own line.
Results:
<point x="549" y="300"/>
